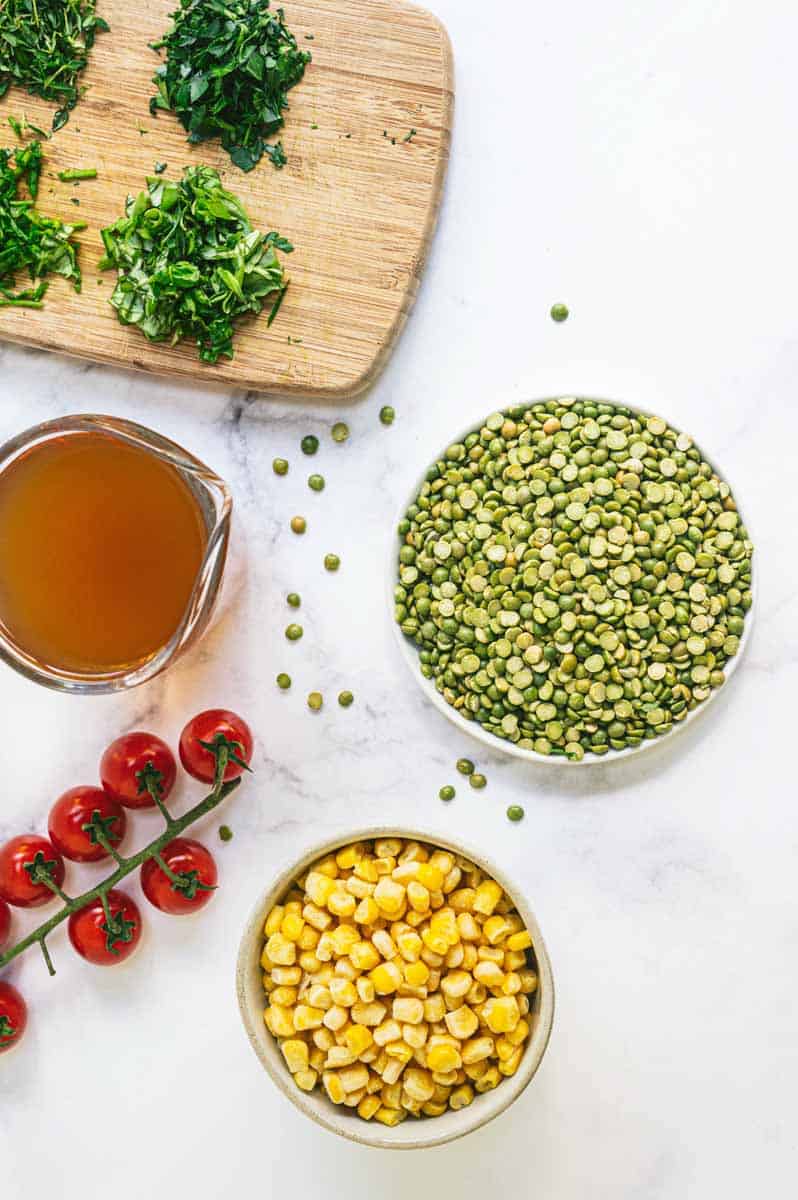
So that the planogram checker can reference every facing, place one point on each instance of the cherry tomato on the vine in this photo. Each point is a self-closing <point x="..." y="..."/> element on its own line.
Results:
<point x="197" y="871"/>
<point x="13" y="1016"/>
<point x="207" y="727"/>
<point x="76" y="809"/>
<point x="101" y="942"/>
<point x="5" y="923"/>
<point x="123" y="767"/>
<point x="17" y="885"/>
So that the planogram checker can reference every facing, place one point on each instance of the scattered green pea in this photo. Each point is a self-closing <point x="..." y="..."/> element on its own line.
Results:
<point x="447" y="793"/>
<point x="294" y="632"/>
<point x="465" y="766"/>
<point x="225" y="833"/>
<point x="340" y="431"/>
<point x="515" y="813"/>
<point x="293" y="599"/>
<point x="477" y="781"/>
<point x="316" y="483"/>
<point x="315" y="701"/>
<point x="559" y="312"/>
<point x="299" y="524"/>
<point x="345" y="699"/>
<point x="309" y="444"/>
<point x="283" y="680"/>
<point x="331" y="562"/>
<point x="387" y="415"/>
<point x="280" y="466"/>
<point x="575" y="576"/>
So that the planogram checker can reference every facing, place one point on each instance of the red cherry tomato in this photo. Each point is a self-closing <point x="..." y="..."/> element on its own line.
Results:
<point x="16" y="885"/>
<point x="101" y="943"/>
<point x="13" y="1016"/>
<point x="207" y="727"/>
<point x="5" y="923"/>
<point x="197" y="870"/>
<point x="74" y="810"/>
<point x="124" y="761"/>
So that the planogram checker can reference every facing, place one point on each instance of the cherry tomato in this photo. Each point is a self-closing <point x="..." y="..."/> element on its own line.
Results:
<point x="16" y="885"/>
<point x="207" y="727"/>
<point x="5" y="923"/>
<point x="197" y="870"/>
<point x="74" y="810"/>
<point x="124" y="761"/>
<point x="101" y="943"/>
<point x="13" y="1016"/>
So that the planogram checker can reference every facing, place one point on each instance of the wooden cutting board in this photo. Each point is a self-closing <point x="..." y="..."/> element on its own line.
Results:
<point x="359" y="207"/>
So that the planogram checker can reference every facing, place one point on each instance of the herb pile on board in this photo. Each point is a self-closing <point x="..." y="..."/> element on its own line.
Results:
<point x="228" y="69"/>
<point x="189" y="263"/>
<point x="44" y="46"/>
<point x="29" y="241"/>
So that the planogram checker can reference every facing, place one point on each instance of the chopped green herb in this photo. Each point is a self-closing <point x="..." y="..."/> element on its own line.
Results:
<point x="314" y="126"/>
<point x="22" y="127"/>
<point x="29" y="241"/>
<point x="160" y="167"/>
<point x="228" y="70"/>
<point x="225" y="833"/>
<point x="74" y="200"/>
<point x="189" y="263"/>
<point x="44" y="46"/>
<point x="409" y="136"/>
<point x="75" y="174"/>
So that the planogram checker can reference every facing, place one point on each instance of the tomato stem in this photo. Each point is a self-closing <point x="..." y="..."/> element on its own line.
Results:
<point x="174" y="826"/>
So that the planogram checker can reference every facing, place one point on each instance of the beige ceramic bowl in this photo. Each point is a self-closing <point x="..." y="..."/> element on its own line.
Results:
<point x="410" y="1134"/>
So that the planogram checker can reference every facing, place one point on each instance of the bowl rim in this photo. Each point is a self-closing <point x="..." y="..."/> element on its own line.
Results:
<point x="436" y="1131"/>
<point x="409" y="651"/>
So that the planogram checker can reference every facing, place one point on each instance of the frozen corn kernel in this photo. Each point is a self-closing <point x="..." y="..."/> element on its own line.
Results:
<point x="286" y="976"/>
<point x="343" y="992"/>
<point x="391" y="1094"/>
<point x="368" y="1107"/>
<point x="388" y="1031"/>
<point x="337" y="1057"/>
<point x="430" y="877"/>
<point x="323" y="1038"/>
<point x="306" y="1080"/>
<point x="344" y="937"/>
<point x="393" y="1069"/>
<point x="389" y="896"/>
<point x="443" y="1057"/>
<point x="286" y="997"/>
<point x="386" y="978"/>
<point x="512" y="983"/>
<point x="488" y="896"/>
<point x="478" y="1048"/>
<point x="368" y="1014"/>
<point x="320" y="996"/>
<point x="366" y="912"/>
<point x="352" y="1079"/>
<point x="462" y="1022"/>
<point x="456" y="984"/>
<point x="418" y="896"/>
<point x="358" y="1038"/>
<point x="345" y="859"/>
<point x="519" y="941"/>
<point x="496" y="929"/>
<point x="317" y="917"/>
<point x="501" y="1014"/>
<point x="333" y="1087"/>
<point x="416" y="974"/>
<point x="407" y="1009"/>
<point x="488" y="1080"/>
<point x="529" y="982"/>
<point x="389" y="1116"/>
<point x="296" y="1054"/>
<point x="489" y="974"/>
<point x="274" y="920"/>
<point x="418" y="1084"/>
<point x="318" y="888"/>
<point x="280" y="951"/>
<point x="342" y="903"/>
<point x="434" y="1008"/>
<point x="365" y="989"/>
<point x="416" y="1035"/>
<point x="510" y="1065"/>
<point x="291" y="926"/>
<point x="279" y="1021"/>
<point x="335" y="1018"/>
<point x="519" y="1035"/>
<point x="307" y="1017"/>
<point x="461" y="1097"/>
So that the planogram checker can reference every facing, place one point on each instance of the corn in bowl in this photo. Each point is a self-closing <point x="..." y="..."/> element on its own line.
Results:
<point x="400" y="979"/>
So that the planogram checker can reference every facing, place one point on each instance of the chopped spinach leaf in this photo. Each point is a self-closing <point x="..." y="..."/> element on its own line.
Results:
<point x="189" y="263"/>
<point x="227" y="73"/>
<point x="44" y="46"/>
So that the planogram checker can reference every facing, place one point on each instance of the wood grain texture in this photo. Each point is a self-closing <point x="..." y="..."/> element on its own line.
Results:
<point x="360" y="210"/>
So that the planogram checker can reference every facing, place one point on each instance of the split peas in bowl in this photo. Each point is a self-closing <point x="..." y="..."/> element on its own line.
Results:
<point x="398" y="978"/>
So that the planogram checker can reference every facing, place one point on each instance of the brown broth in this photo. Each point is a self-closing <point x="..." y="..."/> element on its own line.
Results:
<point x="100" y="546"/>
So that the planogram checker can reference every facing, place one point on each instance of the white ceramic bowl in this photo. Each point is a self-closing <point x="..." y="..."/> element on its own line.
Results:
<point x="410" y="1134"/>
<point x="409" y="651"/>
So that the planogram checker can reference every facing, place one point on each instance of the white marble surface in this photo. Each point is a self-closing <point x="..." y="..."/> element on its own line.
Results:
<point x="639" y="162"/>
